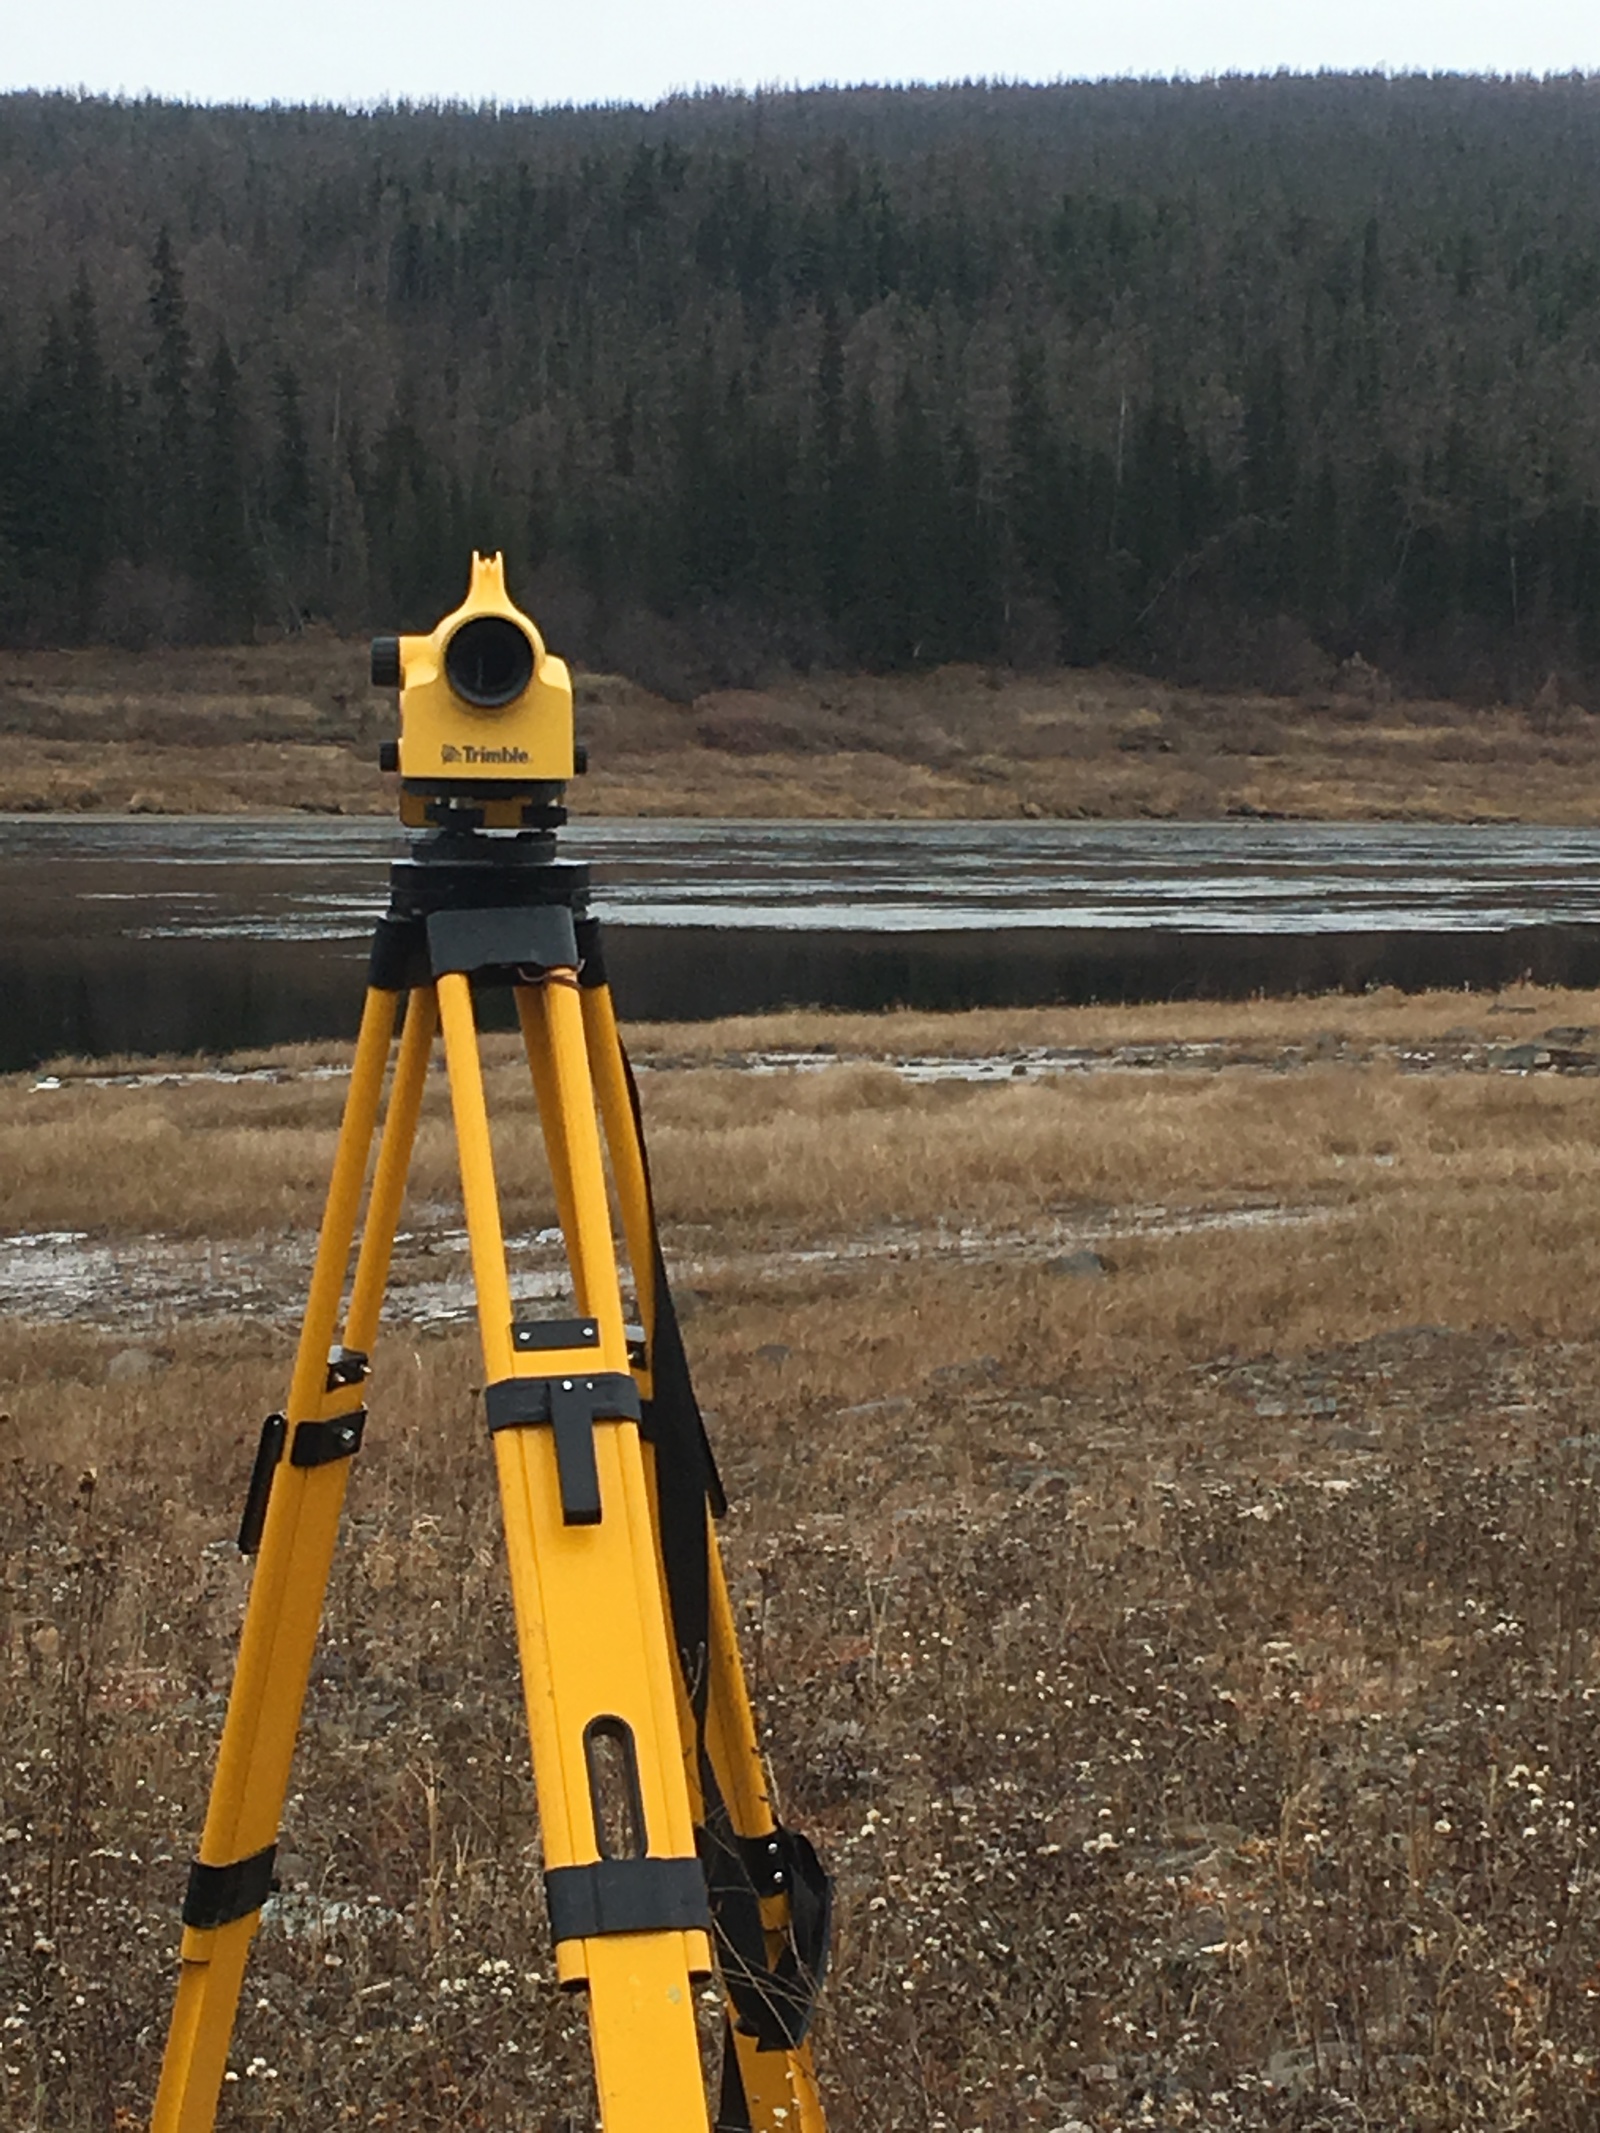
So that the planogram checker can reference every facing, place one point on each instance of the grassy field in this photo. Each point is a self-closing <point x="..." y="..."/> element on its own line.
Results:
<point x="294" y="726"/>
<point x="1164" y="1528"/>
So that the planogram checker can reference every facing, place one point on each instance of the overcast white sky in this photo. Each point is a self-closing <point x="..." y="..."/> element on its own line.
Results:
<point x="588" y="51"/>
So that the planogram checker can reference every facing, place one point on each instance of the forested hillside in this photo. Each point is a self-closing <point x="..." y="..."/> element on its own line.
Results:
<point x="1220" y="378"/>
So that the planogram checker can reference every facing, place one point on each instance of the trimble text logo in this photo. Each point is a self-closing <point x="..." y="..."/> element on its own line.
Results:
<point x="449" y="753"/>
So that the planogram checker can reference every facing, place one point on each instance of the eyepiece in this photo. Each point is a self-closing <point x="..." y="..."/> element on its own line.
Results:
<point x="489" y="662"/>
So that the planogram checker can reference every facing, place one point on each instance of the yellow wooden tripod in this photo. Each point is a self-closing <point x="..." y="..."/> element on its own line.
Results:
<point x="663" y="1857"/>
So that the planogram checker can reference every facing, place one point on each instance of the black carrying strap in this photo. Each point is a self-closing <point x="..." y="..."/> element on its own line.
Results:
<point x="733" y="2106"/>
<point x="774" y="2002"/>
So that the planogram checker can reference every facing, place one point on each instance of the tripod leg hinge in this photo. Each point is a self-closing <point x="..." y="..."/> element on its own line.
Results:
<point x="627" y="1896"/>
<point x="571" y="1406"/>
<point x="591" y="960"/>
<point x="399" y="956"/>
<point x="504" y="940"/>
<point x="219" y="1894"/>
<point x="347" y="1366"/>
<point x="320" y="1443"/>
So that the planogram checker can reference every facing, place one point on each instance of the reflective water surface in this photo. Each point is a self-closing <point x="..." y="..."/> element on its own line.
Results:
<point x="160" y="933"/>
<point x="323" y="879"/>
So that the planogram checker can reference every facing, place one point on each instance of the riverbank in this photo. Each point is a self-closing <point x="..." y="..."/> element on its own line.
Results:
<point x="1162" y="1531"/>
<point x="293" y="726"/>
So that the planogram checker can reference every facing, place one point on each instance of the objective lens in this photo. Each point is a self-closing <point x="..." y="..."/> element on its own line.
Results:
<point x="489" y="662"/>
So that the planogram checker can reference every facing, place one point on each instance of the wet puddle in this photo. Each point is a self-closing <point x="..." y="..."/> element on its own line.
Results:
<point x="142" y="1283"/>
<point x="1561" y="1051"/>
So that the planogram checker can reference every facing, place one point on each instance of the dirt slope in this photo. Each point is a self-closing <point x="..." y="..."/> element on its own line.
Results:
<point x="294" y="726"/>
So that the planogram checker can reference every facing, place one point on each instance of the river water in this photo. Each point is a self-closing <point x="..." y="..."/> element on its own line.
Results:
<point x="158" y="933"/>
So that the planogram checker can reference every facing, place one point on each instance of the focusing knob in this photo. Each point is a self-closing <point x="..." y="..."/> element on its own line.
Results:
<point x="388" y="755"/>
<point x="386" y="662"/>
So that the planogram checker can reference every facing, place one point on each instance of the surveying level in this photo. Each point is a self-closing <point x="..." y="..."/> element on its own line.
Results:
<point x="486" y="737"/>
<point x="664" y="1858"/>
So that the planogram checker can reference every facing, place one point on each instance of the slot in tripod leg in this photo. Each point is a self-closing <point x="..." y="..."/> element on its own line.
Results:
<point x="623" y="1144"/>
<point x="572" y="1141"/>
<point x="536" y="1044"/>
<point x="629" y="1919"/>
<point x="780" y="2087"/>
<point x="393" y="1166"/>
<point x="232" y="1876"/>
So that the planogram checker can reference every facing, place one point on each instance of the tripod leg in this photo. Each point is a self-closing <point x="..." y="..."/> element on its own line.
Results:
<point x="626" y="1889"/>
<point x="232" y="1877"/>
<point x="780" y="2089"/>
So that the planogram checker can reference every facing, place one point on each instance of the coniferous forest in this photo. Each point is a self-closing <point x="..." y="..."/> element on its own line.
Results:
<point x="1214" y="378"/>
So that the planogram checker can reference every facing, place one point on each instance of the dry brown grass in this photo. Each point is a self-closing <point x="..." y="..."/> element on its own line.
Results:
<point x="1385" y="1016"/>
<point x="210" y="731"/>
<point x="1191" y="1665"/>
<point x="293" y="725"/>
<point x="1303" y="1102"/>
<point x="1328" y="1022"/>
<point x="153" y="778"/>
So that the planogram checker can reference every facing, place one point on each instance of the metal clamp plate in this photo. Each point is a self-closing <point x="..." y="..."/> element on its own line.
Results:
<point x="571" y="1406"/>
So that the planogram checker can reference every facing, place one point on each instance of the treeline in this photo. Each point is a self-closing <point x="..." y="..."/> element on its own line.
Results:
<point x="1230" y="379"/>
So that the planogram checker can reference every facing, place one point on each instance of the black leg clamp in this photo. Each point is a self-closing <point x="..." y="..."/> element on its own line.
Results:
<point x="627" y="1896"/>
<point x="571" y="1406"/>
<point x="315" y="1444"/>
<point x="269" y="1450"/>
<point x="220" y="1894"/>
<point x="320" y="1443"/>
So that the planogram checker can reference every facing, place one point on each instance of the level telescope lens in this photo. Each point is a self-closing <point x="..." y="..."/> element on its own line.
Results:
<point x="489" y="662"/>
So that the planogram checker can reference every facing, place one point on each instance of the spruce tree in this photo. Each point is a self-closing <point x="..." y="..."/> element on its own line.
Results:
<point x="223" y="557"/>
<point x="169" y="454"/>
<point x="90" y="468"/>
